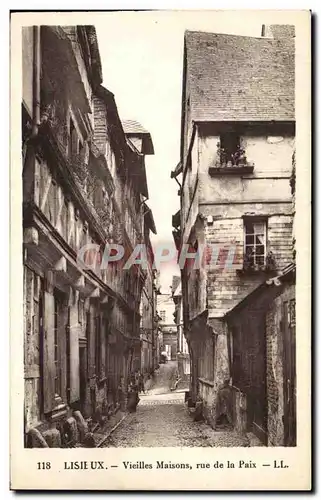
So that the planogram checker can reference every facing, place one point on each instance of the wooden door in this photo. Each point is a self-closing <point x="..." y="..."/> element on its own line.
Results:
<point x="249" y="370"/>
<point x="82" y="375"/>
<point x="289" y="367"/>
<point x="258" y="380"/>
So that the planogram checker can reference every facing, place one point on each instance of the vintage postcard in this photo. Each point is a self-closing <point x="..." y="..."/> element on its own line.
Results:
<point x="160" y="250"/>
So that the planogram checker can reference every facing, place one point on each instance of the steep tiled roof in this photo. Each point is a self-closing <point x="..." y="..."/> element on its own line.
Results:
<point x="280" y="31"/>
<point x="133" y="127"/>
<point x="239" y="78"/>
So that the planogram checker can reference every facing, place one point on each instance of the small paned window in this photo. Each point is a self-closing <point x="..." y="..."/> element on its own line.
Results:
<point x="255" y="243"/>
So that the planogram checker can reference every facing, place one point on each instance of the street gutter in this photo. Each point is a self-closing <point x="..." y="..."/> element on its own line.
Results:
<point x="104" y="439"/>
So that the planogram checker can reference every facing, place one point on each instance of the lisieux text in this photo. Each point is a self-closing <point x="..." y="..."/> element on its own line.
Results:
<point x="163" y="464"/>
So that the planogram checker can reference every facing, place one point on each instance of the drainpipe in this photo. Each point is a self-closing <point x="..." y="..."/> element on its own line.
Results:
<point x="36" y="71"/>
<point x="36" y="80"/>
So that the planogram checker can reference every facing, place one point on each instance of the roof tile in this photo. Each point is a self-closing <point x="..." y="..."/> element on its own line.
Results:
<point x="236" y="78"/>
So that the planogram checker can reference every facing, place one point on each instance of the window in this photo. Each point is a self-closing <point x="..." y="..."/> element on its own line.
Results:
<point x="163" y="315"/>
<point x="73" y="139"/>
<point x="88" y="319"/>
<point x="230" y="142"/>
<point x="80" y="311"/>
<point x="98" y="346"/>
<point x="255" y="244"/>
<point x="230" y="150"/>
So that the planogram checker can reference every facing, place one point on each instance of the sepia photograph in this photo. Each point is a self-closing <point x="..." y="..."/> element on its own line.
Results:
<point x="159" y="235"/>
<point x="103" y="337"/>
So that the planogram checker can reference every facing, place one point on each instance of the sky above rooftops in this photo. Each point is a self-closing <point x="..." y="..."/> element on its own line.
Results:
<point x="142" y="61"/>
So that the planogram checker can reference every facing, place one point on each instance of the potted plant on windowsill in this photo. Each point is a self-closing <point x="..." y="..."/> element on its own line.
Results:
<point x="238" y="158"/>
<point x="227" y="163"/>
<point x="251" y="267"/>
<point x="270" y="264"/>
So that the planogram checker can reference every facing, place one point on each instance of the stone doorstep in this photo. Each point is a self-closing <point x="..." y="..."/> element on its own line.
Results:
<point x="102" y="433"/>
<point x="253" y="439"/>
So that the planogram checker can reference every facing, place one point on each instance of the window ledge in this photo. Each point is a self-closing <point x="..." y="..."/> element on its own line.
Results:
<point x="251" y="271"/>
<point x="231" y="170"/>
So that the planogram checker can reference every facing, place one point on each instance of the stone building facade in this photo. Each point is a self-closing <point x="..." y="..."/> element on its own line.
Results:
<point x="264" y="361"/>
<point x="149" y="319"/>
<point x="166" y="311"/>
<point x="84" y="183"/>
<point x="237" y="143"/>
<point x="183" y="358"/>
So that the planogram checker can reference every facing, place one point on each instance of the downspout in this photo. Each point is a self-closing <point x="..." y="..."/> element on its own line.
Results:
<point x="36" y="72"/>
<point x="36" y="80"/>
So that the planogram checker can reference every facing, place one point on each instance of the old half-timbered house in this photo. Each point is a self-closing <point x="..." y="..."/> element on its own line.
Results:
<point x="83" y="184"/>
<point x="237" y="142"/>
<point x="148" y="326"/>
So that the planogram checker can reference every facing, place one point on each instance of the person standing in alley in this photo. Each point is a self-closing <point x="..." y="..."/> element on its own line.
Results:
<point x="141" y="385"/>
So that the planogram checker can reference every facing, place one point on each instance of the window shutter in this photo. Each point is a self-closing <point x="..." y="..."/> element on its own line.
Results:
<point x="91" y="351"/>
<point x="97" y="345"/>
<point x="48" y="352"/>
<point x="62" y="334"/>
<point x="74" y="353"/>
<point x="104" y="338"/>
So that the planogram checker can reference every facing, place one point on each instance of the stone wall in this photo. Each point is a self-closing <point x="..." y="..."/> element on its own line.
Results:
<point x="226" y="199"/>
<point x="274" y="350"/>
<point x="226" y="285"/>
<point x="275" y="368"/>
<point x="31" y="347"/>
<point x="269" y="148"/>
<point x="210" y="363"/>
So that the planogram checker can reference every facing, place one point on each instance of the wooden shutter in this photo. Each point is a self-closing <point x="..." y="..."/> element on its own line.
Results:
<point x="91" y="350"/>
<point x="48" y="352"/>
<point x="102" y="348"/>
<point x="62" y="334"/>
<point x="74" y="393"/>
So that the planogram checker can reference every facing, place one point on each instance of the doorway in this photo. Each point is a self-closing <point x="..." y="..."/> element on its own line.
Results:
<point x="289" y="370"/>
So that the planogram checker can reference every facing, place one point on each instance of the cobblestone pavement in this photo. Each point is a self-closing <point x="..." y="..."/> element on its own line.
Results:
<point x="162" y="419"/>
<point x="163" y="379"/>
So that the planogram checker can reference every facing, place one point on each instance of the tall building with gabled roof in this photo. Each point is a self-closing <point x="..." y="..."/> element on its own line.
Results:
<point x="237" y="142"/>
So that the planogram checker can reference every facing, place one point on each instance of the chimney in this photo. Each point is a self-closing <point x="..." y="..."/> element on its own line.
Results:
<point x="278" y="31"/>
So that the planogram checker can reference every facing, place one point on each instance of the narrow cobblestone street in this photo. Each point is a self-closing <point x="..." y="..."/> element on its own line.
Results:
<point x="162" y="419"/>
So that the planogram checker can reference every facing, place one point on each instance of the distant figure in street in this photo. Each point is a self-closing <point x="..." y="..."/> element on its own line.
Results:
<point x="133" y="398"/>
<point x="164" y="358"/>
<point x="141" y="385"/>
